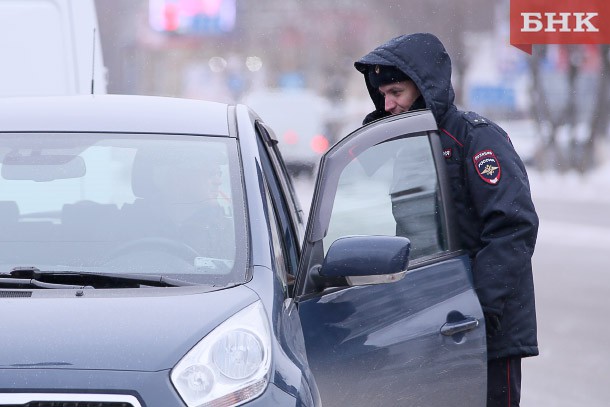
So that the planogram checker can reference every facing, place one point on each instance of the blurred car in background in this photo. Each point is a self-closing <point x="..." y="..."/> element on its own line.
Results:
<point x="299" y="119"/>
<point x="153" y="253"/>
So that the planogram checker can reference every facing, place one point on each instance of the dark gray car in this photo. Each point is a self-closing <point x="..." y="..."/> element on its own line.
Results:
<point x="152" y="253"/>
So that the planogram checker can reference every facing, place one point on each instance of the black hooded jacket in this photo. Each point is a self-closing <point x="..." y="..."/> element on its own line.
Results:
<point x="496" y="218"/>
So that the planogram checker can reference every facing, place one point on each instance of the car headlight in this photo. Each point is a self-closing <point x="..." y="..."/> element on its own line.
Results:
<point x="230" y="365"/>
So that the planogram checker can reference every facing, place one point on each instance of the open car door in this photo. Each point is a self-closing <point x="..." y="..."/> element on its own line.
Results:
<point x="384" y="295"/>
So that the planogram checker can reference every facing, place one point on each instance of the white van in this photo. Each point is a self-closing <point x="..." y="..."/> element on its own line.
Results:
<point x="50" y="47"/>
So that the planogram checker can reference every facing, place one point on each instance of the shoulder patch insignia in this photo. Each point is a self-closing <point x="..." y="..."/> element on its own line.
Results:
<point x="487" y="166"/>
<point x="448" y="152"/>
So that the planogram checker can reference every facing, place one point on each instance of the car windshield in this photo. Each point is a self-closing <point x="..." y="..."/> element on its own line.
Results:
<point x="121" y="203"/>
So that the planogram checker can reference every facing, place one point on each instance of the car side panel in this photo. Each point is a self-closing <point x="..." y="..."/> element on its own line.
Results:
<point x="381" y="344"/>
<point x="291" y="372"/>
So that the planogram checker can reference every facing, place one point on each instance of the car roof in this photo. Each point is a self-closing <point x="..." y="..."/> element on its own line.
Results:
<point x="113" y="113"/>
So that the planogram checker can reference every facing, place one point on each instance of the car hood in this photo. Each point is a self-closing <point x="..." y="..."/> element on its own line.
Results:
<point x="130" y="329"/>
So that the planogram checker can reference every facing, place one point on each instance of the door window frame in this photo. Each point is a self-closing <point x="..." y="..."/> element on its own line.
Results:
<point x="334" y="161"/>
<point x="282" y="216"/>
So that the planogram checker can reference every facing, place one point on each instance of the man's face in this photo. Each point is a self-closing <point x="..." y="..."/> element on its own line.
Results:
<point x="399" y="96"/>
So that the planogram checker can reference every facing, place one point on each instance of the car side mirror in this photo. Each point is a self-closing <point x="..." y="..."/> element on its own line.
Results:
<point x="364" y="260"/>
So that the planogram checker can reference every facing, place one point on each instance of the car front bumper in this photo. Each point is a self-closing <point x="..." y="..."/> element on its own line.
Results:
<point x="106" y="388"/>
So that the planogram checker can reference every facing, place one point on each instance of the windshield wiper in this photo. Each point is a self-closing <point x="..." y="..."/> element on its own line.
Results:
<point x="32" y="276"/>
<point x="142" y="279"/>
<point x="31" y="282"/>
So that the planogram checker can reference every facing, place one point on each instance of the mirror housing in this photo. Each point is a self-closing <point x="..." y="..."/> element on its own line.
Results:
<point x="42" y="168"/>
<point x="364" y="260"/>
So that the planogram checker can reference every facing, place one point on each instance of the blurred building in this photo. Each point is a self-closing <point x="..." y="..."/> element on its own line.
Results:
<point x="219" y="49"/>
<point x="271" y="43"/>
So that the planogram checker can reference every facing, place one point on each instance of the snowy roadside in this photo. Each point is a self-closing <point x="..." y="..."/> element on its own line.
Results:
<point x="573" y="187"/>
<point x="554" y="185"/>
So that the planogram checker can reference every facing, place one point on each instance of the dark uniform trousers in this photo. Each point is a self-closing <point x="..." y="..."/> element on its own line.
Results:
<point x="504" y="382"/>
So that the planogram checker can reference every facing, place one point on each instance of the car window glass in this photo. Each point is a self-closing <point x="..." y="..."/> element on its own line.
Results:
<point x="391" y="189"/>
<point x="283" y="215"/>
<point x="122" y="203"/>
<point x="278" y="247"/>
<point x="276" y="164"/>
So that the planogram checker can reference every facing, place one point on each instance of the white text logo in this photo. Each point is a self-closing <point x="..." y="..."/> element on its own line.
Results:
<point x="558" y="22"/>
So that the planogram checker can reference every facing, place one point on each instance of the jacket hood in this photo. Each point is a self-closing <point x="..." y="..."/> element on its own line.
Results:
<point x="424" y="59"/>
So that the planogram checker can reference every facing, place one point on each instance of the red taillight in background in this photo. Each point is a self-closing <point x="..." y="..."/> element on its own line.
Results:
<point x="291" y="137"/>
<point x="319" y="144"/>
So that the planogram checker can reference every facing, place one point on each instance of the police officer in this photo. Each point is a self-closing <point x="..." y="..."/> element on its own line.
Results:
<point x="494" y="211"/>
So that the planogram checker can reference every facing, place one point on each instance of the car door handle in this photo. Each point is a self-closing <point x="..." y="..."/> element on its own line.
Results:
<point x="452" y="328"/>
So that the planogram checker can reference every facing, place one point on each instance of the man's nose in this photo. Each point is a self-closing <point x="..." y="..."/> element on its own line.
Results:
<point x="389" y="104"/>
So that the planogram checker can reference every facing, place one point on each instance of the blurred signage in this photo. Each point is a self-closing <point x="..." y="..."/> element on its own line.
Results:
<point x="559" y="22"/>
<point x="492" y="97"/>
<point x="192" y="17"/>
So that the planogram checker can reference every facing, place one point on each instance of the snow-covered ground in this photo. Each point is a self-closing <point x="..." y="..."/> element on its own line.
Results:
<point x="591" y="187"/>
